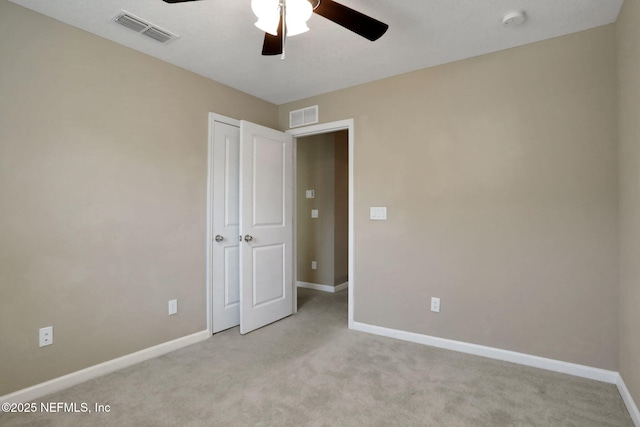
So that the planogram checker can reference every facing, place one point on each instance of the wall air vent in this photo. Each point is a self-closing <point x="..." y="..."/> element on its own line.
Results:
<point x="304" y="116"/>
<point x="143" y="27"/>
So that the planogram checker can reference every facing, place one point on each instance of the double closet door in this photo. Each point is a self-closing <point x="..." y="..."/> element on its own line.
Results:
<point x="252" y="225"/>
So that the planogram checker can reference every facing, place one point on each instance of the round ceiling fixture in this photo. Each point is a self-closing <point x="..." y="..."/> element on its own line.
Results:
<point x="513" y="19"/>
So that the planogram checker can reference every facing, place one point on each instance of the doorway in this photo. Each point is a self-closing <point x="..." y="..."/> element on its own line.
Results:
<point x="322" y="224"/>
<point x="321" y="129"/>
<point x="294" y="134"/>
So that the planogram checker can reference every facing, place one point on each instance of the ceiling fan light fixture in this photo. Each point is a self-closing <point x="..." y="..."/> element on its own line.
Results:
<point x="297" y="28"/>
<point x="269" y="25"/>
<point x="298" y="13"/>
<point x="268" y="13"/>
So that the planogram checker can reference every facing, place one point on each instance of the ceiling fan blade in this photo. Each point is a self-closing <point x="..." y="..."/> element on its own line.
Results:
<point x="350" y="19"/>
<point x="273" y="44"/>
<point x="177" y="1"/>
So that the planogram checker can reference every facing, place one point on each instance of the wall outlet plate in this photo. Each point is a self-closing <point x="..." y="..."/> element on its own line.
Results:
<point x="435" y="304"/>
<point x="314" y="213"/>
<point x="46" y="336"/>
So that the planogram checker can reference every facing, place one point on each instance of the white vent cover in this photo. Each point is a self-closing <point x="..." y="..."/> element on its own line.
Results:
<point x="143" y="27"/>
<point x="304" y="116"/>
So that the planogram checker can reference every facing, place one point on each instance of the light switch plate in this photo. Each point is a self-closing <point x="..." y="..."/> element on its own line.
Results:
<point x="173" y="307"/>
<point x="314" y="213"/>
<point x="311" y="194"/>
<point x="378" y="213"/>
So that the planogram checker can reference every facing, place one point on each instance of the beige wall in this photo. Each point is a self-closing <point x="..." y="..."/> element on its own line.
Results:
<point x="629" y="135"/>
<point x="103" y="171"/>
<point x="499" y="174"/>
<point x="322" y="166"/>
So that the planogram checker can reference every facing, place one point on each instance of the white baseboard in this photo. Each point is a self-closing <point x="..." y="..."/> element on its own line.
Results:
<point x="341" y="286"/>
<point x="628" y="401"/>
<point x="324" y="288"/>
<point x="39" y="390"/>
<point x="583" y="371"/>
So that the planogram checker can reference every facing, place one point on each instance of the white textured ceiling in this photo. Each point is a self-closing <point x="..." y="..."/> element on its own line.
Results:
<point x="218" y="39"/>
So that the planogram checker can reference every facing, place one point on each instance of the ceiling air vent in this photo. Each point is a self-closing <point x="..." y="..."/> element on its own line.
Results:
<point x="304" y="116"/>
<point x="143" y="27"/>
<point x="157" y="34"/>
<point x="131" y="23"/>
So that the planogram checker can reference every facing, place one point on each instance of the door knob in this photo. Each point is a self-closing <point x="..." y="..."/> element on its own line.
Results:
<point x="248" y="238"/>
<point x="219" y="238"/>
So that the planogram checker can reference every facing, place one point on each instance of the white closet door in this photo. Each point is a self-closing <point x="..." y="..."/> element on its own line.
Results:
<point x="266" y="226"/>
<point x="226" y="227"/>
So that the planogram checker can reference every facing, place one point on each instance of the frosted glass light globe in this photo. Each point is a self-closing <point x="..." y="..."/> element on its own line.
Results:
<point x="268" y="13"/>
<point x="298" y="13"/>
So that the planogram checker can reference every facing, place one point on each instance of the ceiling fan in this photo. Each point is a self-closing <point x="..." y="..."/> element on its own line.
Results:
<point x="272" y="18"/>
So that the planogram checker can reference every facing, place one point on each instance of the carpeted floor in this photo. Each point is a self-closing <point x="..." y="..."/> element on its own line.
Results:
<point x="310" y="370"/>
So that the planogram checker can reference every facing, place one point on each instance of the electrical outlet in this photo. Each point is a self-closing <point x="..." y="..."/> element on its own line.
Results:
<point x="314" y="265"/>
<point x="173" y="307"/>
<point x="46" y="336"/>
<point x="314" y="213"/>
<point x="435" y="304"/>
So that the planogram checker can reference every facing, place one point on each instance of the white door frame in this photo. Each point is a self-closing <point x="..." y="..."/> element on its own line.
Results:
<point x="316" y="130"/>
<point x="296" y="133"/>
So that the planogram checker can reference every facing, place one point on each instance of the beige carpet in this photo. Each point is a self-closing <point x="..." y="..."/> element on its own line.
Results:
<point x="310" y="370"/>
